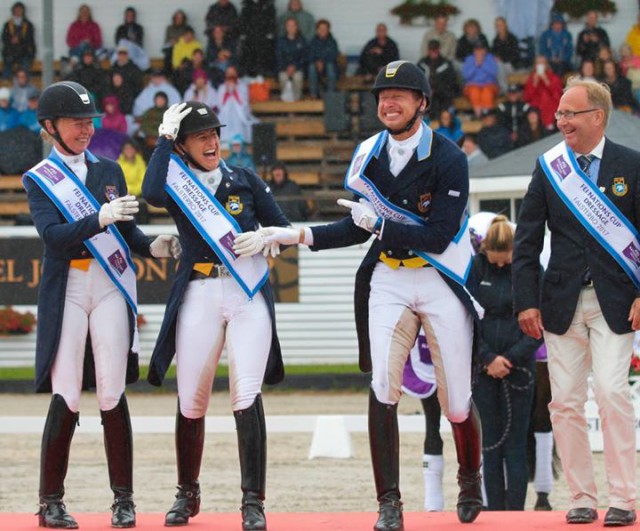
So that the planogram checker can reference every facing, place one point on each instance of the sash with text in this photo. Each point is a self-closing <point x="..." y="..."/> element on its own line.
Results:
<point x="593" y="209"/>
<point x="455" y="261"/>
<point x="75" y="202"/>
<point x="215" y="225"/>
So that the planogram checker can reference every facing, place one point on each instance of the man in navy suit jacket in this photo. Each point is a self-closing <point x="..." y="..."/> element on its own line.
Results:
<point x="587" y="306"/>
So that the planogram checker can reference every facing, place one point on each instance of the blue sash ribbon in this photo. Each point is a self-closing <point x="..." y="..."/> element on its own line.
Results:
<point x="455" y="261"/>
<point x="216" y="226"/>
<point x="75" y="202"/>
<point x="593" y="209"/>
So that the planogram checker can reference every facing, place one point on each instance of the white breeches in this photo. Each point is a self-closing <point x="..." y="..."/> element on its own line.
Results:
<point x="92" y="304"/>
<point x="402" y="300"/>
<point x="216" y="312"/>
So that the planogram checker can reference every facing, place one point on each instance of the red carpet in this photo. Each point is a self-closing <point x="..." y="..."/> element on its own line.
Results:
<point x="517" y="521"/>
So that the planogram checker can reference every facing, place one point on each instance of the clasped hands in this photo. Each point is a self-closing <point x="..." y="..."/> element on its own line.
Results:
<point x="266" y="240"/>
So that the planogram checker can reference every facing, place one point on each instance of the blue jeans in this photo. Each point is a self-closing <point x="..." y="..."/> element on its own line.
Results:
<point x="330" y="73"/>
<point x="505" y="465"/>
<point x="9" y="62"/>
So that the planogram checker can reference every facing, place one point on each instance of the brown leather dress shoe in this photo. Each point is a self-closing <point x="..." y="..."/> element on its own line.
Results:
<point x="619" y="517"/>
<point x="582" y="515"/>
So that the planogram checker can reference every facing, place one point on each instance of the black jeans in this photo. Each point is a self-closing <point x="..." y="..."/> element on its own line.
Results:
<point x="505" y="465"/>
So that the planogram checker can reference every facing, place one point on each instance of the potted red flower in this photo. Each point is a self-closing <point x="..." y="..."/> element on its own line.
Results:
<point x="13" y="322"/>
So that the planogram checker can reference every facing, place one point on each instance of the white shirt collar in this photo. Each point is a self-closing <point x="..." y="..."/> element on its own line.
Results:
<point x="202" y="175"/>
<point x="401" y="151"/>
<point x="71" y="160"/>
<point x="408" y="144"/>
<point x="211" y="179"/>
<point x="596" y="151"/>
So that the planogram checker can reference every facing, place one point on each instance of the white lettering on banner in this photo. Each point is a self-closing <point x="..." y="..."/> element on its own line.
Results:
<point x="593" y="209"/>
<point x="455" y="261"/>
<point x="215" y="225"/>
<point x="75" y="202"/>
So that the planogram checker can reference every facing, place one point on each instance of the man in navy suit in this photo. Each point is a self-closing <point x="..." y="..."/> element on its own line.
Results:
<point x="588" y="306"/>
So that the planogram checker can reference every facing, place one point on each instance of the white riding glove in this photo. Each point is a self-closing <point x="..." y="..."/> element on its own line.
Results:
<point x="271" y="248"/>
<point x="249" y="243"/>
<point x="166" y="246"/>
<point x="266" y="239"/>
<point x="171" y="120"/>
<point x="362" y="214"/>
<point x="120" y="209"/>
<point x="284" y="235"/>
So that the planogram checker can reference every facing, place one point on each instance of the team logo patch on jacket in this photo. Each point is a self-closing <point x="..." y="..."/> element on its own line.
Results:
<point x="619" y="187"/>
<point x="424" y="203"/>
<point x="111" y="192"/>
<point x="234" y="206"/>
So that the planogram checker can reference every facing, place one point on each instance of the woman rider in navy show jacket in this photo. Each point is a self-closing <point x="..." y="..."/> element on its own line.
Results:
<point x="257" y="205"/>
<point x="86" y="329"/>
<point x="207" y="309"/>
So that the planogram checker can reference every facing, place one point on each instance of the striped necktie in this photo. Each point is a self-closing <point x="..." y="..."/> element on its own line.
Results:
<point x="585" y="161"/>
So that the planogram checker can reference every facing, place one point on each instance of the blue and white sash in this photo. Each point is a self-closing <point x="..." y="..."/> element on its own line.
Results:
<point x="215" y="225"/>
<point x="75" y="202"/>
<point x="593" y="209"/>
<point x="455" y="261"/>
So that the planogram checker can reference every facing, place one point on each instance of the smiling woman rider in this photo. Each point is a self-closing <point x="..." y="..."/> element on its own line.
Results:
<point x="87" y="297"/>
<point x="211" y="303"/>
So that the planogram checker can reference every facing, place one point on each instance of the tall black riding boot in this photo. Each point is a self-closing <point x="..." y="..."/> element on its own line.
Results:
<point x="384" y="440"/>
<point x="252" y="449"/>
<point x="468" y="439"/>
<point x="118" y="443"/>
<point x="189" y="445"/>
<point x="54" y="459"/>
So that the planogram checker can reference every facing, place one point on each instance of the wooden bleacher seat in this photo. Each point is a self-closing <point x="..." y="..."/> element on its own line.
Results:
<point x="13" y="208"/>
<point x="11" y="183"/>
<point x="354" y="83"/>
<point x="299" y="151"/>
<point x="468" y="126"/>
<point x="13" y="198"/>
<point x="519" y="78"/>
<point x="305" y="178"/>
<point x="288" y="107"/>
<point x="462" y="104"/>
<point x="471" y="126"/>
<point x="300" y="127"/>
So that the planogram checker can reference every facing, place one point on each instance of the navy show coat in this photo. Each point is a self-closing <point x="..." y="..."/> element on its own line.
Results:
<point x="250" y="201"/>
<point x="433" y="185"/>
<point x="63" y="242"/>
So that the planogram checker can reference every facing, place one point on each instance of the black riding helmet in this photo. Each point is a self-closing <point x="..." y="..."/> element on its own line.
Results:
<point x="201" y="118"/>
<point x="403" y="75"/>
<point x="66" y="99"/>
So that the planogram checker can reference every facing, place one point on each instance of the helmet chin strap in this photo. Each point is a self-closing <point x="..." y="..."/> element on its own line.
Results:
<point x="189" y="159"/>
<point x="410" y="123"/>
<point x="58" y="139"/>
